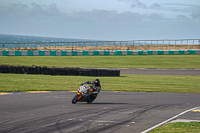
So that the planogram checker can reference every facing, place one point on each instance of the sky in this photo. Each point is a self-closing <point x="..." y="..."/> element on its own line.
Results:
<point x="102" y="19"/>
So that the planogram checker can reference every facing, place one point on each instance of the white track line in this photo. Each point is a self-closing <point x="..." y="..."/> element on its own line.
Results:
<point x="168" y="120"/>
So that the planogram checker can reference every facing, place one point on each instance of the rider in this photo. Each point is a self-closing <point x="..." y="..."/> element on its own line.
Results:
<point x="95" y="84"/>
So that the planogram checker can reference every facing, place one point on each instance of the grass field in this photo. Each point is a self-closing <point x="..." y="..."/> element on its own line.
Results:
<point x="137" y="83"/>
<point x="139" y="61"/>
<point x="134" y="83"/>
<point x="178" y="127"/>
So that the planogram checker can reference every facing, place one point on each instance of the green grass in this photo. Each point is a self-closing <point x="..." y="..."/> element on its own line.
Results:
<point x="135" y="83"/>
<point x="178" y="127"/>
<point x="140" y="61"/>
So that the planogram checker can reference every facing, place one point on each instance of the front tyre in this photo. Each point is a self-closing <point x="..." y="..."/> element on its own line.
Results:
<point x="75" y="99"/>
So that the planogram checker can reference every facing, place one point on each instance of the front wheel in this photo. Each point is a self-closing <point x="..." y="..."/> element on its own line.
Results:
<point x="75" y="99"/>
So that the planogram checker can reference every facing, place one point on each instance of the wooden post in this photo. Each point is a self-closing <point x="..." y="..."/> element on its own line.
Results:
<point x="193" y="42"/>
<point x="157" y="42"/>
<point x="114" y="43"/>
<point x="187" y="41"/>
<point x="151" y="42"/>
<point x="16" y="45"/>
<point x="163" y="42"/>
<point x="55" y="44"/>
<point x="139" y="43"/>
<point x="102" y="43"/>
<point x="96" y="43"/>
<point x="175" y="42"/>
<point x="9" y="45"/>
<point x="61" y="44"/>
<point x="90" y="43"/>
<point x="144" y="42"/>
<point x="169" y="42"/>
<point x="3" y="45"/>
<point x="181" y="42"/>
<point x="120" y="43"/>
<point x="133" y="43"/>
<point x="49" y="44"/>
<point x="36" y="44"/>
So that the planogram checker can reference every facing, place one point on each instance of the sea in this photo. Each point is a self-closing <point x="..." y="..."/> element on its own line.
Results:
<point x="25" y="41"/>
<point x="22" y="41"/>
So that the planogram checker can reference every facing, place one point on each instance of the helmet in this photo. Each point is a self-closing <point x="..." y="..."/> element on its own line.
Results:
<point x="97" y="81"/>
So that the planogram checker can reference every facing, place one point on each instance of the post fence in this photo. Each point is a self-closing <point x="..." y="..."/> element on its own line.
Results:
<point x="191" y="42"/>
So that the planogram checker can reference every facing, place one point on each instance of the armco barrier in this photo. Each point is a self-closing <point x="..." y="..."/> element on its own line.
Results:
<point x="90" y="53"/>
<point x="58" y="71"/>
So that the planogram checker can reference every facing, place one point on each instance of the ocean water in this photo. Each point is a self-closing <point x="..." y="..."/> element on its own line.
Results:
<point x="13" y="41"/>
<point x="20" y="41"/>
<point x="41" y="41"/>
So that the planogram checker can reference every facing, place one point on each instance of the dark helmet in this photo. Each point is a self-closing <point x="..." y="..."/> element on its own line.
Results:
<point x="97" y="81"/>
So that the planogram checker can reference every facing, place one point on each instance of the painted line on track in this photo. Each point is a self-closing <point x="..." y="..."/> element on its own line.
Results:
<point x="147" y="130"/>
<point x="6" y="93"/>
<point x="196" y="110"/>
<point x="38" y="91"/>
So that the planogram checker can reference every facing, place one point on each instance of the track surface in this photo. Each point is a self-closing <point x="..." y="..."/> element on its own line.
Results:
<point x="111" y="112"/>
<point x="161" y="71"/>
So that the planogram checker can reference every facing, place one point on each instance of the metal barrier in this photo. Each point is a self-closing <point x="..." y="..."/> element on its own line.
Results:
<point x="100" y="43"/>
<point x="97" y="53"/>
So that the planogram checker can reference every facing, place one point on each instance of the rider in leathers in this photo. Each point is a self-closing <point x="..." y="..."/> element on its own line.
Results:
<point x="95" y="84"/>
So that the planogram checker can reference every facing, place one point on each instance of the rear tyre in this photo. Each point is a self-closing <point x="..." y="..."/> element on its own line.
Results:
<point x="92" y="98"/>
<point x="75" y="99"/>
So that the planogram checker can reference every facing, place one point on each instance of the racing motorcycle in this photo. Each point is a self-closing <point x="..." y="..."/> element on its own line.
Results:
<point x="85" y="94"/>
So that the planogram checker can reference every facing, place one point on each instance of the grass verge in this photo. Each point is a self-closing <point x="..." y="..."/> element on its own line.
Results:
<point x="178" y="127"/>
<point x="130" y="61"/>
<point x="132" y="83"/>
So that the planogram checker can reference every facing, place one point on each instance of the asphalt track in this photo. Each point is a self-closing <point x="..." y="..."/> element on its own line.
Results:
<point x="160" y="71"/>
<point x="130" y="112"/>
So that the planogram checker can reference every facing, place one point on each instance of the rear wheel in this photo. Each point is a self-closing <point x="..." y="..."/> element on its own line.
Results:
<point x="92" y="98"/>
<point x="75" y="99"/>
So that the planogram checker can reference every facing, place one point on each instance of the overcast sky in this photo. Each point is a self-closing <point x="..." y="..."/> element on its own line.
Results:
<point x="102" y="19"/>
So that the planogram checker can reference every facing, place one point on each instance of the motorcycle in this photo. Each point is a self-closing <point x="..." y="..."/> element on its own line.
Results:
<point x="85" y="94"/>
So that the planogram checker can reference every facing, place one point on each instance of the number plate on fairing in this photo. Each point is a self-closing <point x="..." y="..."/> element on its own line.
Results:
<point x="84" y="88"/>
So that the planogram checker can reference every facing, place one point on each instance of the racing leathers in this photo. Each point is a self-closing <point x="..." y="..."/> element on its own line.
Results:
<point x="95" y="86"/>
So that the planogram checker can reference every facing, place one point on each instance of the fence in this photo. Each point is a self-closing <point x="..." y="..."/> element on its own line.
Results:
<point x="100" y="43"/>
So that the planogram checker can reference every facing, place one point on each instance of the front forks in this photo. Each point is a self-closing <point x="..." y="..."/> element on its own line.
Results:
<point x="80" y="95"/>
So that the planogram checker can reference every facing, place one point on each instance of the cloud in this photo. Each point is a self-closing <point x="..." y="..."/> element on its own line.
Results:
<point x="156" y="16"/>
<point x="196" y="16"/>
<point x="179" y="7"/>
<point x="48" y="20"/>
<point x="135" y="3"/>
<point x="155" y="5"/>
